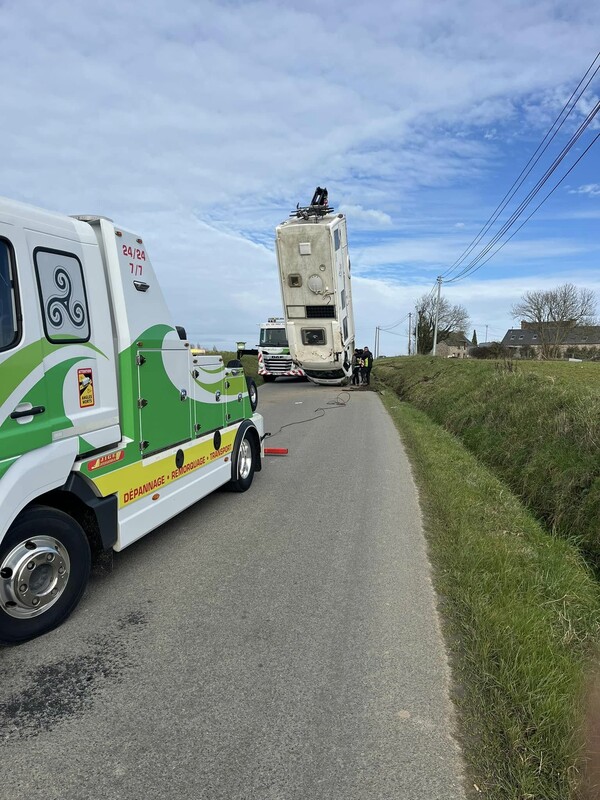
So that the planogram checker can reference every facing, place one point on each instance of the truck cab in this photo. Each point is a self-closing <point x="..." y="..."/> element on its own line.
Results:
<point x="274" y="357"/>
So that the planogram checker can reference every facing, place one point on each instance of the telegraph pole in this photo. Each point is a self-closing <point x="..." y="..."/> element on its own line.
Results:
<point x="437" y="314"/>
<point x="418" y="317"/>
<point x="376" y="341"/>
<point x="409" y="333"/>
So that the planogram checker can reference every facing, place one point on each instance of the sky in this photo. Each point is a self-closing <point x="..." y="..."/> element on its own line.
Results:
<point x="200" y="125"/>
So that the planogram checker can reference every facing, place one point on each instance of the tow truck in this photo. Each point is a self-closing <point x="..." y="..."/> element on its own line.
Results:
<point x="109" y="424"/>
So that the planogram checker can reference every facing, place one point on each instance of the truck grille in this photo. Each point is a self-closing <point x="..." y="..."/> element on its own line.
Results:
<point x="278" y="364"/>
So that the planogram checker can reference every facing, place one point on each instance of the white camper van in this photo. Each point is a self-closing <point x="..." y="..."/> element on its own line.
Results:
<point x="314" y="274"/>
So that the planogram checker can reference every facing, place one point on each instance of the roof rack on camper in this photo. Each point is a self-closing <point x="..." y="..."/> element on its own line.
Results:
<point x="319" y="206"/>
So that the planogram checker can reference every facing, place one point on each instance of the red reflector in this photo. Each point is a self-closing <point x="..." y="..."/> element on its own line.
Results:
<point x="276" y="451"/>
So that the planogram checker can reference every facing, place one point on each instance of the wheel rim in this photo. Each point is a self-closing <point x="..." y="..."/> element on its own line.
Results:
<point x="245" y="459"/>
<point x="33" y="576"/>
<point x="253" y="394"/>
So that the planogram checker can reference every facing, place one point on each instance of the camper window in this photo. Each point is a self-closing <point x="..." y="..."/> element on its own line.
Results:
<point x="313" y="335"/>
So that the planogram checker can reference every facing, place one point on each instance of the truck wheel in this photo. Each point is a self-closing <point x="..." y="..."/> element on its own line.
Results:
<point x="44" y="568"/>
<point x="268" y="378"/>
<point x="252" y="393"/>
<point x="245" y="464"/>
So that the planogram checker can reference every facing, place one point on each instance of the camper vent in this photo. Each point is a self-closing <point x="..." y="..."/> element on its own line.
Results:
<point x="320" y="312"/>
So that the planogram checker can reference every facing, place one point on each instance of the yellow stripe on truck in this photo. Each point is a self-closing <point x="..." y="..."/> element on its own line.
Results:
<point x="138" y="480"/>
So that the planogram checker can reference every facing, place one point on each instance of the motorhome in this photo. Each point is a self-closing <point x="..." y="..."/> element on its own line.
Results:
<point x="314" y="276"/>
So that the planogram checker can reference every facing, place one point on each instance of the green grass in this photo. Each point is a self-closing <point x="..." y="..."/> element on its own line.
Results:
<point x="522" y="619"/>
<point x="250" y="364"/>
<point x="537" y="425"/>
<point x="567" y="373"/>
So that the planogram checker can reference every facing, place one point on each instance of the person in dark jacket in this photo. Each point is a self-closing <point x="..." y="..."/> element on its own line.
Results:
<point x="367" y="359"/>
<point x="356" y="365"/>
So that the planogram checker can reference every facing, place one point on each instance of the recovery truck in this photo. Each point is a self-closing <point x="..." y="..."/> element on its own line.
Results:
<point x="109" y="425"/>
<point x="314" y="275"/>
<point x="273" y="352"/>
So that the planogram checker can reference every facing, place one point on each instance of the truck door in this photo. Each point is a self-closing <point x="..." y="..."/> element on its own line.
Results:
<point x="235" y="387"/>
<point x="164" y="397"/>
<point x="23" y="397"/>
<point x="77" y="341"/>
<point x="208" y="393"/>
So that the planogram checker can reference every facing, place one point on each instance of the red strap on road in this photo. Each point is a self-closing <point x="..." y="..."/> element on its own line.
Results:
<point x="276" y="451"/>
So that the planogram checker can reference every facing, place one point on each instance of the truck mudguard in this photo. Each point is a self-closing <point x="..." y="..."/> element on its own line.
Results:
<point x="105" y="509"/>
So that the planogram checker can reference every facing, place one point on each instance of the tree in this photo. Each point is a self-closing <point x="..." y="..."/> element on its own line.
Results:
<point x="474" y="339"/>
<point x="451" y="318"/>
<point x="553" y="313"/>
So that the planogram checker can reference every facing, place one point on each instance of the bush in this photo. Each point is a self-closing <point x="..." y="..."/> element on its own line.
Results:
<point x="493" y="350"/>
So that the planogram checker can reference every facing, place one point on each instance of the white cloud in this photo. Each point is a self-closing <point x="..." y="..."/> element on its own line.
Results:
<point x="591" y="189"/>
<point x="365" y="218"/>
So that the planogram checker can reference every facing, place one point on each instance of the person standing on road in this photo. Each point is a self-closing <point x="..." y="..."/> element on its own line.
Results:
<point x="356" y="365"/>
<point x="367" y="358"/>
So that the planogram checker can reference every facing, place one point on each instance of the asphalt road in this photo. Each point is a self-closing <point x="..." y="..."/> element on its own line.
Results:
<point x="282" y="644"/>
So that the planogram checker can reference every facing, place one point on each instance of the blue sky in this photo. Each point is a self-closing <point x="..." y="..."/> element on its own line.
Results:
<point x="200" y="125"/>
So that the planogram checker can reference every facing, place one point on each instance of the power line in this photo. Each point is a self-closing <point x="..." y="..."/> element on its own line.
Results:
<point x="525" y="172"/>
<point x="395" y="325"/>
<point x="534" y="159"/>
<point x="506" y="241"/>
<point x="472" y="266"/>
<point x="394" y="333"/>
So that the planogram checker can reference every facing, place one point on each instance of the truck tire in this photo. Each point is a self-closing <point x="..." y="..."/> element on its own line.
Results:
<point x="268" y="378"/>
<point x="44" y="568"/>
<point x="252" y="393"/>
<point x="245" y="464"/>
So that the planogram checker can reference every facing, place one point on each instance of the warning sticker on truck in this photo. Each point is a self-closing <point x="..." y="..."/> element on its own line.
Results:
<point x="105" y="461"/>
<point x="85" y="378"/>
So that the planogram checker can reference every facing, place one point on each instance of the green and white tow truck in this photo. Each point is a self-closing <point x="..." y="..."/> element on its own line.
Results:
<point x="109" y="424"/>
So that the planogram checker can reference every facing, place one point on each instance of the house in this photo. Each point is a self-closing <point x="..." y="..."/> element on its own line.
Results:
<point x="455" y="345"/>
<point x="528" y="336"/>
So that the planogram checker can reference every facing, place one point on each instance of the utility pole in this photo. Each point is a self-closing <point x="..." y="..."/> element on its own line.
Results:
<point x="409" y="333"/>
<point x="376" y="341"/>
<point x="418" y="317"/>
<point x="486" y="327"/>
<point x="437" y="314"/>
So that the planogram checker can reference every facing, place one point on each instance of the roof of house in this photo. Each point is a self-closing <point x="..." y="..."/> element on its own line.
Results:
<point x="582" y="335"/>
<point x="456" y="339"/>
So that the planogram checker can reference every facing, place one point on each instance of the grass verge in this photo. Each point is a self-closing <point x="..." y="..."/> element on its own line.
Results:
<point x="537" y="425"/>
<point x="521" y="618"/>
